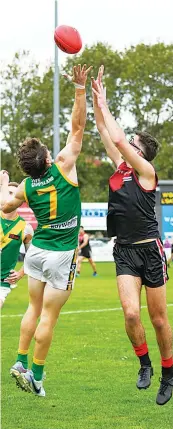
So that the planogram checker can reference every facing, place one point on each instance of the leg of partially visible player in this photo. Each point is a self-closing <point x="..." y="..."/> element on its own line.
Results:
<point x="4" y="292"/>
<point x="156" y="300"/>
<point x="79" y="261"/>
<point x="28" y="324"/>
<point x="129" y="288"/>
<point x="92" y="263"/>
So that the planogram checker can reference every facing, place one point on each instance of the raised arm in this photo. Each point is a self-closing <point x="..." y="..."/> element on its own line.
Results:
<point x="117" y="135"/>
<point x="67" y="156"/>
<point x="112" y="151"/>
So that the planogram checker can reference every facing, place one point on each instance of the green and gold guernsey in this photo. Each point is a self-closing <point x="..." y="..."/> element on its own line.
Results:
<point x="12" y="235"/>
<point x="55" y="201"/>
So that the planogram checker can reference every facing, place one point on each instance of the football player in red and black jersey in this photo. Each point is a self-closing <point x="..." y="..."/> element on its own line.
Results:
<point x="85" y="252"/>
<point x="138" y="252"/>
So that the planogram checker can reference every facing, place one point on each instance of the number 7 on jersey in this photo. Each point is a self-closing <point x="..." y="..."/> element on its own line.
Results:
<point x="53" y="200"/>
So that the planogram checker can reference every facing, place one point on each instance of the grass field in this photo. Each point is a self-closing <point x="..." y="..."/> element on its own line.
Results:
<point x="91" y="369"/>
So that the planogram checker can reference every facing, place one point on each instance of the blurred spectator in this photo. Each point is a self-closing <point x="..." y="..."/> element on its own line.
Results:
<point x="167" y="248"/>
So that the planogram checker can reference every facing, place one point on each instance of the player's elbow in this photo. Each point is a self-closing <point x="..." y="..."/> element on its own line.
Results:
<point x="78" y="134"/>
<point x="6" y="208"/>
<point x="78" y="126"/>
<point x="76" y="147"/>
<point x="118" y="138"/>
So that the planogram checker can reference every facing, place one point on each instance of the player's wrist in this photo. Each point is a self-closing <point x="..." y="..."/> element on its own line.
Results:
<point x="104" y="108"/>
<point x="21" y="274"/>
<point x="80" y="89"/>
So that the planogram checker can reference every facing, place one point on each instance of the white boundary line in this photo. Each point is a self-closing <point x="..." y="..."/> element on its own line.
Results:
<point x="101" y="310"/>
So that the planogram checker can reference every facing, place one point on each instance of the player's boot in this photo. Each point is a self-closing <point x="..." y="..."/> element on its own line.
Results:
<point x="144" y="380"/>
<point x="165" y="391"/>
<point x="77" y="274"/>
<point x="17" y="369"/>
<point x="95" y="274"/>
<point x="27" y="382"/>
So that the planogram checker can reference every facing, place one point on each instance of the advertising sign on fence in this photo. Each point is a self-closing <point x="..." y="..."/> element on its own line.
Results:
<point x="93" y="216"/>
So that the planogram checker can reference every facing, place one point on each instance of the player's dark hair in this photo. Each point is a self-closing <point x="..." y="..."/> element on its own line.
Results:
<point x="14" y="184"/>
<point x="32" y="157"/>
<point x="81" y="227"/>
<point x="149" y="143"/>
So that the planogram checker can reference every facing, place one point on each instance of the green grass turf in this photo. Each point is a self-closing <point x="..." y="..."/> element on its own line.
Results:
<point x="91" y="368"/>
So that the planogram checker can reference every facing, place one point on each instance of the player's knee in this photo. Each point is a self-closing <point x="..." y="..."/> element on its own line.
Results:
<point x="34" y="310"/>
<point x="38" y="311"/>
<point x="43" y="333"/>
<point x="132" y="317"/>
<point x="45" y="328"/>
<point x="158" y="322"/>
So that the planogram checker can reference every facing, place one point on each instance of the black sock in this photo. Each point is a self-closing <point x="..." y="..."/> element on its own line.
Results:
<point x="167" y="372"/>
<point x="145" y="360"/>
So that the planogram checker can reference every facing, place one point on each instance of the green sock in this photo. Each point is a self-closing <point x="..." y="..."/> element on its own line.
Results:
<point x="23" y="358"/>
<point x="37" y="371"/>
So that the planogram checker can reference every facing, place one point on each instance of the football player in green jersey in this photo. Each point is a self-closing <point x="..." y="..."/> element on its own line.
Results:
<point x="14" y="231"/>
<point x="51" y="191"/>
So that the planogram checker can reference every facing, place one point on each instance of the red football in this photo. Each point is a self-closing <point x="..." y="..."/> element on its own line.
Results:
<point x="68" y="39"/>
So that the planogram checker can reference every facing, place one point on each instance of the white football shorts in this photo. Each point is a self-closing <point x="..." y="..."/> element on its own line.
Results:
<point x="57" y="268"/>
<point x="4" y="292"/>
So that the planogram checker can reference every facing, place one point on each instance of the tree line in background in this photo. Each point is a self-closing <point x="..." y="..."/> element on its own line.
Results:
<point x="139" y="84"/>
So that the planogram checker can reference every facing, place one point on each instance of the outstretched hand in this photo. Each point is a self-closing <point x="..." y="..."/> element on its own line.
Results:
<point x="94" y="82"/>
<point x="80" y="74"/>
<point x="98" y="89"/>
